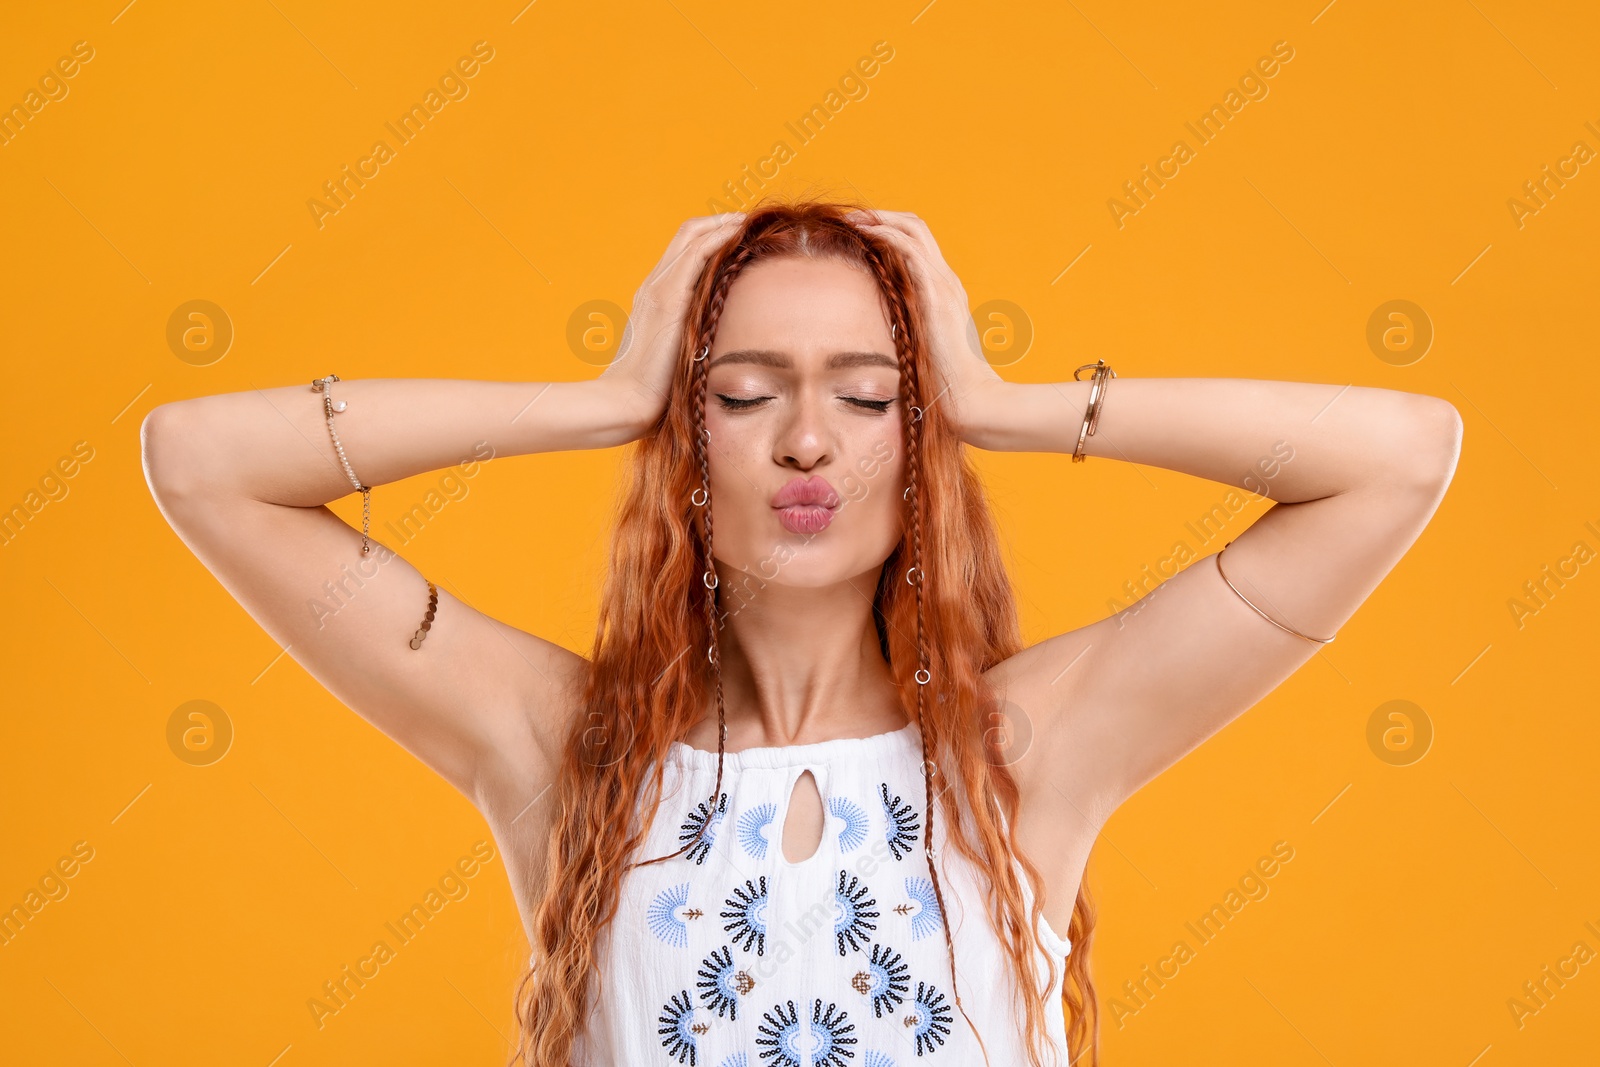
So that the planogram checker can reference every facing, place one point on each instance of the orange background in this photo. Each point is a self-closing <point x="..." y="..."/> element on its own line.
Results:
<point x="1379" y="166"/>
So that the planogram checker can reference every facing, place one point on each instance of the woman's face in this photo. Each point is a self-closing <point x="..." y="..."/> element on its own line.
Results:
<point x="803" y="394"/>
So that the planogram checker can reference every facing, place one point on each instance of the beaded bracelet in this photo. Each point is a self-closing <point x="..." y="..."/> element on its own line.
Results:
<point x="329" y="407"/>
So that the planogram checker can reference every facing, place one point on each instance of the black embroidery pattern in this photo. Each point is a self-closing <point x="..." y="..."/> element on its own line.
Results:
<point x="691" y="826"/>
<point x="747" y="914"/>
<point x="676" y="1037"/>
<point x="904" y="824"/>
<point x="930" y="1020"/>
<point x="832" y="1034"/>
<point x="857" y="910"/>
<point x="778" y="1031"/>
<point x="782" y="1037"/>
<point x="721" y="983"/>
<point x="884" y="980"/>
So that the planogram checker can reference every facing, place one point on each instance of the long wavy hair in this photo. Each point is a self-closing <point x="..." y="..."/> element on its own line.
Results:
<point x="944" y="611"/>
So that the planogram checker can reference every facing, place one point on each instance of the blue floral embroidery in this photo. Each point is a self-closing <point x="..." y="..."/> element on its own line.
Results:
<point x="856" y="909"/>
<point x="747" y="910"/>
<point x="874" y="1058"/>
<point x="677" y="1035"/>
<point x="926" y="919"/>
<point x="854" y="817"/>
<point x="741" y="1059"/>
<point x="903" y="823"/>
<point x="721" y="983"/>
<point x="752" y="827"/>
<point x="691" y="826"/>
<point x="884" y="980"/>
<point x="930" y="1020"/>
<point x="663" y="916"/>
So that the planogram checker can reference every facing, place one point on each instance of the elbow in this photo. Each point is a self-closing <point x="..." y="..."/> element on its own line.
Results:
<point x="168" y="453"/>
<point x="1431" y="445"/>
<point x="1442" y="433"/>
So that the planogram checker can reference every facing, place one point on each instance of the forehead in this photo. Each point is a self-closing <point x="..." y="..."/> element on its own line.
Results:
<point x="802" y="304"/>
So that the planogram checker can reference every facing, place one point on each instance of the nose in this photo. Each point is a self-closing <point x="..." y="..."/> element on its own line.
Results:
<point x="805" y="439"/>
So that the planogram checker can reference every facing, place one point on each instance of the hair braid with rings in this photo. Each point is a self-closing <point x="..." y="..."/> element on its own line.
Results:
<point x="701" y="499"/>
<point x="910" y="388"/>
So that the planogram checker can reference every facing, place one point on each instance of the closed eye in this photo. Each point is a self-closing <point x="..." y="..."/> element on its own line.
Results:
<point x="736" y="403"/>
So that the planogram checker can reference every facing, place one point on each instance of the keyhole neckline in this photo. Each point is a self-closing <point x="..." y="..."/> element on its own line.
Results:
<point x="781" y="822"/>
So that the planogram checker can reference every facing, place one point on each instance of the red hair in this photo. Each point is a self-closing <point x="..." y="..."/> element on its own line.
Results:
<point x="955" y="618"/>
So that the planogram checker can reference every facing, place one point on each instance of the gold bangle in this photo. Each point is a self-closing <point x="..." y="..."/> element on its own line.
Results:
<point x="427" y="620"/>
<point x="1258" y="611"/>
<point x="1091" y="412"/>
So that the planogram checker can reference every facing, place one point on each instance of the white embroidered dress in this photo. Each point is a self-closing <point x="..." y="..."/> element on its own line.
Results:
<point x="729" y="955"/>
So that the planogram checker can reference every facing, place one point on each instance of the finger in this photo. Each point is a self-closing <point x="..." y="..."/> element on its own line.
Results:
<point x="914" y="240"/>
<point x="717" y="235"/>
<point x="876" y="219"/>
<point x="898" y="218"/>
<point x="902" y="240"/>
<point x="692" y="229"/>
<point x="696" y="239"/>
<point x="913" y="227"/>
<point x="714" y="220"/>
<point x="899" y="229"/>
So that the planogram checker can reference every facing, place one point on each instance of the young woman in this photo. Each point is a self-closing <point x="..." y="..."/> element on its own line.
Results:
<point x="809" y="800"/>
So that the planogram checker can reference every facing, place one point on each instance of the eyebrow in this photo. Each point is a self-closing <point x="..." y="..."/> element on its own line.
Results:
<point x="767" y="357"/>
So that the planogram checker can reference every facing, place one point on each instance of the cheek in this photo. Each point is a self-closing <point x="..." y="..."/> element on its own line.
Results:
<point x="733" y="458"/>
<point x="875" y="482"/>
<point x="730" y="451"/>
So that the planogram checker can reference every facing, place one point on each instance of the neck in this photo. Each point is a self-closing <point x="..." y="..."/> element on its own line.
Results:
<point x="801" y="665"/>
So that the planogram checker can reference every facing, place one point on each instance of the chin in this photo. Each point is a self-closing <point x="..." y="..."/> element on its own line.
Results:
<point x="791" y="562"/>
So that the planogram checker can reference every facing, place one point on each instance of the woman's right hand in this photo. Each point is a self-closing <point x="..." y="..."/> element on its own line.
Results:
<point x="647" y="357"/>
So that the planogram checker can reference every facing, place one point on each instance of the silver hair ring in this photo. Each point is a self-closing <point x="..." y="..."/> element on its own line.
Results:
<point x="893" y="326"/>
<point x="906" y="494"/>
<point x="909" y="573"/>
<point x="700" y="496"/>
<point x="916" y="413"/>
<point x="702" y="354"/>
<point x="923" y="677"/>
<point x="710" y="580"/>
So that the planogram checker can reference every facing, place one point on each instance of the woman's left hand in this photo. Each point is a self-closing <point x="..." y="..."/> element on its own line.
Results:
<point x="968" y="387"/>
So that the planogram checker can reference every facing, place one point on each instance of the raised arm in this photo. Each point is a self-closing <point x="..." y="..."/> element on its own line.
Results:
<point x="1357" y="473"/>
<point x="245" y="479"/>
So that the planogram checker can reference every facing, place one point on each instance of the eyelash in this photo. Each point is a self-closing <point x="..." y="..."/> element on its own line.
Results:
<point x="733" y="403"/>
